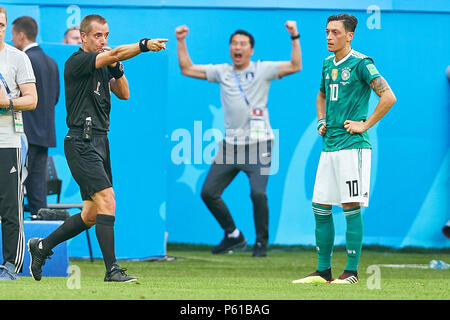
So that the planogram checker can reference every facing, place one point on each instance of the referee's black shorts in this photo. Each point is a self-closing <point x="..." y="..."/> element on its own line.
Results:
<point x="89" y="162"/>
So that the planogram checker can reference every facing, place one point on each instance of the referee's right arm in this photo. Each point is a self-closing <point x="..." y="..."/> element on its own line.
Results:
<point x="127" y="51"/>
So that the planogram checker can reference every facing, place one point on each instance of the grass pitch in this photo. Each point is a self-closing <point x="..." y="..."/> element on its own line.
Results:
<point x="196" y="274"/>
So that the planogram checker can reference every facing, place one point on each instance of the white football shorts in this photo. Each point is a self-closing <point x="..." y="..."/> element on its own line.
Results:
<point x="343" y="176"/>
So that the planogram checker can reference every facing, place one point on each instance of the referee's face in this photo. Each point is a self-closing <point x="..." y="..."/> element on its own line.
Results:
<point x="96" y="38"/>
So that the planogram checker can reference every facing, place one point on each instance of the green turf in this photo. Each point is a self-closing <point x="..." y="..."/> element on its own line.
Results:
<point x="196" y="274"/>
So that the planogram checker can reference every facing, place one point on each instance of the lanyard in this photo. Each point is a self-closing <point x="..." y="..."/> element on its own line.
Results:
<point x="240" y="88"/>
<point x="5" y="84"/>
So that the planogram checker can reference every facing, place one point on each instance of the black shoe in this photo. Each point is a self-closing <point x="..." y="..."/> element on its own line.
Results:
<point x="259" y="249"/>
<point x="37" y="257"/>
<point x="117" y="274"/>
<point x="317" y="277"/>
<point x="228" y="244"/>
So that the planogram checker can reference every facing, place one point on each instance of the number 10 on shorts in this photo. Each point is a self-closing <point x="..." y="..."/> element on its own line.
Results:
<point x="352" y="188"/>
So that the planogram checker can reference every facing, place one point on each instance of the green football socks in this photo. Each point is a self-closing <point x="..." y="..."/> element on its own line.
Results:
<point x="354" y="237"/>
<point x="324" y="235"/>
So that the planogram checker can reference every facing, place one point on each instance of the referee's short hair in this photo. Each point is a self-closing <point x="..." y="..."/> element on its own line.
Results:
<point x="27" y="25"/>
<point x="348" y="20"/>
<point x="244" y="33"/>
<point x="85" y="25"/>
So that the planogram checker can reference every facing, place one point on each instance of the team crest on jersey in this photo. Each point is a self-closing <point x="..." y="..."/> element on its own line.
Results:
<point x="249" y="76"/>
<point x="345" y="75"/>
<point x="334" y="74"/>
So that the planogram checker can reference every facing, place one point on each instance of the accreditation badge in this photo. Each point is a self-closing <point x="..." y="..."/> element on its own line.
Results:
<point x="257" y="124"/>
<point x="18" y="121"/>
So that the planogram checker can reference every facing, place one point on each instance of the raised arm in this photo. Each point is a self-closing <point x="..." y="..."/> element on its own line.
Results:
<point x="112" y="57"/>
<point x="387" y="100"/>
<point x="295" y="64"/>
<point x="27" y="101"/>
<point x="186" y="66"/>
<point x="127" y="51"/>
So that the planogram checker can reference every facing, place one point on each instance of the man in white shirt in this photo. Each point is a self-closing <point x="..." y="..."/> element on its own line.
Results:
<point x="244" y="88"/>
<point x="39" y="124"/>
<point x="17" y="93"/>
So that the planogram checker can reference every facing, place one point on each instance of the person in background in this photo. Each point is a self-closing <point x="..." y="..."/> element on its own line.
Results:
<point x="247" y="147"/>
<point x="72" y="35"/>
<point x="39" y="124"/>
<point x="17" y="93"/>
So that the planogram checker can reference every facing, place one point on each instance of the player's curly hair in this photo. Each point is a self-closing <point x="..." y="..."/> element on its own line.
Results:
<point x="348" y="20"/>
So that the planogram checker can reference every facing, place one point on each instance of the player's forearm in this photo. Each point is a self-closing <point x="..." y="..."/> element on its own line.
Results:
<point x="385" y="103"/>
<point x="321" y="106"/>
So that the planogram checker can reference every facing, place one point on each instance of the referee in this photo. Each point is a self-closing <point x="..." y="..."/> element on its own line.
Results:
<point x="89" y="75"/>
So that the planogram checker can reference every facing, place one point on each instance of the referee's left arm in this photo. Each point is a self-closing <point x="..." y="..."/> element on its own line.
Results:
<point x="120" y="87"/>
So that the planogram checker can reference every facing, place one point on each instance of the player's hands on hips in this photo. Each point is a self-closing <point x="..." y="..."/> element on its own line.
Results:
<point x="353" y="127"/>
<point x="181" y="32"/>
<point x="323" y="129"/>
<point x="291" y="27"/>
<point x="156" y="44"/>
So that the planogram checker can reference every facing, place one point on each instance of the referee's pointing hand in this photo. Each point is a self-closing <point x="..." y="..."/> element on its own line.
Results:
<point x="157" y="44"/>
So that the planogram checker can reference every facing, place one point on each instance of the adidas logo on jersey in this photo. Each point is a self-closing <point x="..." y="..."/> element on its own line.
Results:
<point x="13" y="169"/>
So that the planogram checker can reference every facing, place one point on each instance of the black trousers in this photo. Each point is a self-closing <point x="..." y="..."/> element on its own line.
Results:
<point x="11" y="207"/>
<point x="254" y="160"/>
<point x="36" y="182"/>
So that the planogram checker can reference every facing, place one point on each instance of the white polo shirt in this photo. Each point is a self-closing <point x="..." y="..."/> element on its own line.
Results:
<point x="255" y="83"/>
<point x="16" y="69"/>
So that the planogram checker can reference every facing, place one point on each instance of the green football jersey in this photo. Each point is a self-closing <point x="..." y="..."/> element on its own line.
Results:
<point x="346" y="86"/>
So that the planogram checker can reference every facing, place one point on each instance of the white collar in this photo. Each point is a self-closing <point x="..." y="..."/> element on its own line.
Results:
<point x="31" y="45"/>
<point x="343" y="59"/>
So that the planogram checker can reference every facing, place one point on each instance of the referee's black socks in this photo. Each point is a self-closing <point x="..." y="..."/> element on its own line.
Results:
<point x="71" y="227"/>
<point x="104" y="230"/>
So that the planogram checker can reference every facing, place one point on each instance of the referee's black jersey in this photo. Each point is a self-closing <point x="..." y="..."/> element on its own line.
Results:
<point x="87" y="91"/>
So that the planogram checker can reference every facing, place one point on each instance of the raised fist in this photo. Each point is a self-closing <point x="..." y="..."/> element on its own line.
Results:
<point x="181" y="32"/>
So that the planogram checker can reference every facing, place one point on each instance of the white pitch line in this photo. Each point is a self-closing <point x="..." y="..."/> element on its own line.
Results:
<point x="414" y="266"/>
